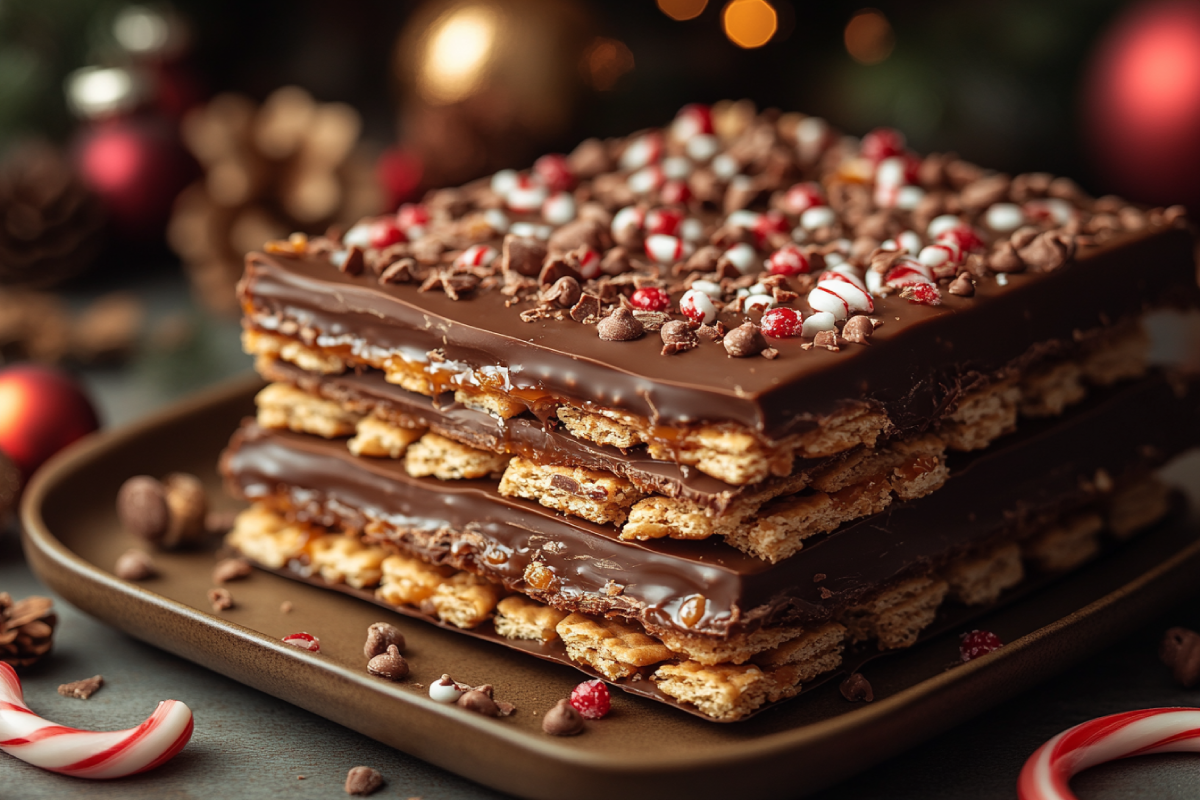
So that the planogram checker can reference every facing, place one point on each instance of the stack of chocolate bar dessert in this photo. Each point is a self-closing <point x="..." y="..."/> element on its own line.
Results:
<point x="702" y="409"/>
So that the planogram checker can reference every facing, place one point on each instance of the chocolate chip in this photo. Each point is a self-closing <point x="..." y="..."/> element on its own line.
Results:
<point x="962" y="286"/>
<point x="403" y="271"/>
<point x="389" y="664"/>
<point x="352" y="264"/>
<point x="745" y="340"/>
<point x="562" y="720"/>
<point x="620" y="326"/>
<point x="221" y="599"/>
<point x="82" y="690"/>
<point x="1005" y="259"/>
<point x="678" y="332"/>
<point x="1180" y="651"/>
<point x="135" y="565"/>
<point x="379" y="636"/>
<point x="856" y="688"/>
<point x="858" y="329"/>
<point x="982" y="193"/>
<point x="587" y="308"/>
<point x="231" y="569"/>
<point x="828" y="339"/>
<point x="363" y="780"/>
<point x="1049" y="251"/>
<point x="480" y="703"/>
<point x="564" y="293"/>
<point x="142" y="507"/>
<point x="522" y="255"/>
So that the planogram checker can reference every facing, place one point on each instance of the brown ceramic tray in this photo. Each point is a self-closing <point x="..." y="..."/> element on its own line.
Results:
<point x="643" y="749"/>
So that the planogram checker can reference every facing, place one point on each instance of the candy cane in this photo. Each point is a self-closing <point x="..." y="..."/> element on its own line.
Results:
<point x="89" y="754"/>
<point x="1133" y="733"/>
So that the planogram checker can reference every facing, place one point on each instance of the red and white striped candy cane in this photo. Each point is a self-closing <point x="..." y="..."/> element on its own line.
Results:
<point x="1133" y="733"/>
<point x="88" y="754"/>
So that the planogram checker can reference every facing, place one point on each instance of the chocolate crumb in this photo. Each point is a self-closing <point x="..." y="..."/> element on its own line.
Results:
<point x="825" y="593"/>
<point x="587" y="308"/>
<point x="83" y="689"/>
<point x="352" y="264"/>
<point x="962" y="286"/>
<point x="380" y="635"/>
<point x="770" y="353"/>
<point x="856" y="688"/>
<point x="562" y="720"/>
<point x="709" y="333"/>
<point x="135" y="565"/>
<point x="390" y="665"/>
<point x="745" y="340"/>
<point x="1180" y="651"/>
<point x="858" y="330"/>
<point x="828" y="339"/>
<point x="231" y="569"/>
<point x="221" y="599"/>
<point x="479" y="702"/>
<point x="620" y="326"/>
<point x="402" y="271"/>
<point x="1048" y="251"/>
<point x="362" y="780"/>
<point x="564" y="292"/>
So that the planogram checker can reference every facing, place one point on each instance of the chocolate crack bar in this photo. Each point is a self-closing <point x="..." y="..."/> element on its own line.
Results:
<point x="704" y="406"/>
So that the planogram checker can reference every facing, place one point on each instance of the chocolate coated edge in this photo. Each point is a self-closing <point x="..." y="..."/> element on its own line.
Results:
<point x="915" y="364"/>
<point x="468" y="525"/>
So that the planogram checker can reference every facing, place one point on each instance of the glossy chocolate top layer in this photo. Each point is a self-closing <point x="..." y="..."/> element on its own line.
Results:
<point x="1019" y="483"/>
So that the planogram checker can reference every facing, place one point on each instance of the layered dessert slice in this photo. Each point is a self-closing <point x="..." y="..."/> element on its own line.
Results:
<point x="732" y="341"/>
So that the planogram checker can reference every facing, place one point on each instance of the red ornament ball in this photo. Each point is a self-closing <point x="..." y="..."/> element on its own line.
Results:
<point x="42" y="410"/>
<point x="591" y="699"/>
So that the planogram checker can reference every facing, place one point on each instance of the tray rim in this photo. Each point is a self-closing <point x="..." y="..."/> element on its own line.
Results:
<point x="44" y="551"/>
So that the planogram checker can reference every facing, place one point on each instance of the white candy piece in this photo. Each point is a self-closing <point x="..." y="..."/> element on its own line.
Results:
<point x="874" y="281"/>
<point x="909" y="241"/>
<point x="909" y="197"/>
<point x="646" y="180"/>
<point x="742" y="219"/>
<point x="934" y="255"/>
<point x="644" y="150"/>
<point x="477" y="255"/>
<point x="834" y="260"/>
<point x="849" y="273"/>
<point x="559" y="208"/>
<point x="698" y="306"/>
<point x="811" y="135"/>
<point x="940" y="225"/>
<point x="527" y="195"/>
<point x="628" y="220"/>
<point x="359" y="236"/>
<point x="839" y="298"/>
<point x="1004" y="217"/>
<point x="504" y="181"/>
<point x="702" y="147"/>
<point x="760" y="302"/>
<point x="676" y="168"/>
<point x="759" y="288"/>
<point x="817" y="217"/>
<point x="1059" y="210"/>
<point x="664" y="249"/>
<point x="815" y="323"/>
<point x="691" y="230"/>
<point x="530" y="229"/>
<point x="742" y="256"/>
<point x="890" y="172"/>
<point x="725" y="166"/>
<point x="89" y="754"/>
<point x="496" y="219"/>
<point x="441" y="691"/>
<point x="710" y="288"/>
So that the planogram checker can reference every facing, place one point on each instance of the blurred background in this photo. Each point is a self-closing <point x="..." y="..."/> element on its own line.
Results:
<point x="145" y="148"/>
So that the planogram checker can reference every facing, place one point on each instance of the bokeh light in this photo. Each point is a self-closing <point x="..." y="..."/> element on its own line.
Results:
<point x="604" y="61"/>
<point x="749" y="23"/>
<point x="456" y="53"/>
<point x="869" y="37"/>
<point x="682" y="9"/>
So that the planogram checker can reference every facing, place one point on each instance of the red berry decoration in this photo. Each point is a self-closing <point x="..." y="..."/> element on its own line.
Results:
<point x="305" y="641"/>
<point x="591" y="699"/>
<point x="555" y="172"/>
<point x="882" y="143"/>
<point x="788" y="260"/>
<point x="978" y="643"/>
<point x="385" y="232"/>
<point x="42" y="410"/>
<point x="650" y="298"/>
<point x="782" y="323"/>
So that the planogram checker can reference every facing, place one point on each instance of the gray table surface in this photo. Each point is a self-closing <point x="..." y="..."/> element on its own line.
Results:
<point x="250" y="745"/>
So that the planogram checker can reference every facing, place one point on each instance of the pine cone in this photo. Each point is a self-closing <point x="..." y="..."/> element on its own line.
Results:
<point x="289" y="165"/>
<point x="51" y="226"/>
<point x="26" y="629"/>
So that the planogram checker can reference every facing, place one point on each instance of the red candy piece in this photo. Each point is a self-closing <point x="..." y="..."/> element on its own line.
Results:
<point x="692" y="119"/>
<point x="802" y="197"/>
<point x="978" y="643"/>
<point x="771" y="222"/>
<point x="650" y="298"/>
<point x="788" y="260"/>
<point x="555" y="172"/>
<point x="925" y="294"/>
<point x="385" y="232"/>
<point x="305" y="641"/>
<point x="675" y="193"/>
<point x="882" y="143"/>
<point x="782" y="323"/>
<point x="591" y="699"/>
<point x="963" y="236"/>
<point x="663" y="220"/>
<point x="412" y="215"/>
